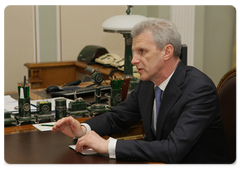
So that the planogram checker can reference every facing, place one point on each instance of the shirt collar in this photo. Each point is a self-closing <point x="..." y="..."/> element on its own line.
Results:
<point x="163" y="85"/>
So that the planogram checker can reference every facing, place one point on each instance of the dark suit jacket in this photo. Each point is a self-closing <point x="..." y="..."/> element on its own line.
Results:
<point x="189" y="125"/>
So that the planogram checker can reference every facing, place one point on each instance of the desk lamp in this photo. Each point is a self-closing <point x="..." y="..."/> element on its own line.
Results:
<point x="123" y="24"/>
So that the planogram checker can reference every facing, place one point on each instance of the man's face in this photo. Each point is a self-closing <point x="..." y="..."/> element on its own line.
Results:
<point x="147" y="57"/>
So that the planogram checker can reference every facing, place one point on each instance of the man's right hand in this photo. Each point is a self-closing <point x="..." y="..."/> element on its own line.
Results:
<point x="70" y="127"/>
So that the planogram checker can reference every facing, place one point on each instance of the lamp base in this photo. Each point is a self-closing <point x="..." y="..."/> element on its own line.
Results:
<point x="128" y="70"/>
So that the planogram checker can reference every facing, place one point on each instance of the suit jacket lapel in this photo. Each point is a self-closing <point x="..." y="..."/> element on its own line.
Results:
<point x="147" y="112"/>
<point x="168" y="101"/>
<point x="170" y="97"/>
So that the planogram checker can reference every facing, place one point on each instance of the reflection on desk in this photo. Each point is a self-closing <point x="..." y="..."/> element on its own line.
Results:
<point x="49" y="148"/>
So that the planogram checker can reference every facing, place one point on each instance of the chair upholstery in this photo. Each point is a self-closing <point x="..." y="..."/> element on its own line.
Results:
<point x="227" y="94"/>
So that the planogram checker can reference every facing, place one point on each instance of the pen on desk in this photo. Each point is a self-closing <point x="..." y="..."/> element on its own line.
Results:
<point x="33" y="105"/>
<point x="47" y="125"/>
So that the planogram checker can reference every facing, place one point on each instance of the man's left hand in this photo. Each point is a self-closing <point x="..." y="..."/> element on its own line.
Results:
<point x="94" y="141"/>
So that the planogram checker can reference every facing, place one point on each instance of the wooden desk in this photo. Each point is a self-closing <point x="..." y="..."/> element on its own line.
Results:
<point x="42" y="75"/>
<point x="26" y="144"/>
<point x="49" y="148"/>
<point x="133" y="133"/>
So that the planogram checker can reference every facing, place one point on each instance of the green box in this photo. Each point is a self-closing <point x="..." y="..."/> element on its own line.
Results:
<point x="44" y="108"/>
<point x="24" y="108"/>
<point x="77" y="105"/>
<point x="60" y="108"/>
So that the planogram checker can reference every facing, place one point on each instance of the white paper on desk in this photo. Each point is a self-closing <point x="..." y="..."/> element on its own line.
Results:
<point x="44" y="128"/>
<point x="11" y="104"/>
<point x="8" y="98"/>
<point x="89" y="151"/>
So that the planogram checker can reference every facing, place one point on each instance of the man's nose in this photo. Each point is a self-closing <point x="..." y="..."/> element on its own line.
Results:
<point x="134" y="59"/>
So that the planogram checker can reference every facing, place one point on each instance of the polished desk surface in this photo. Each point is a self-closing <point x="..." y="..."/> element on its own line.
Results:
<point x="48" y="148"/>
<point x="27" y="145"/>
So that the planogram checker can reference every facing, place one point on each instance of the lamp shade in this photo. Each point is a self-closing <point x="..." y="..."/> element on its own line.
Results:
<point x="121" y="23"/>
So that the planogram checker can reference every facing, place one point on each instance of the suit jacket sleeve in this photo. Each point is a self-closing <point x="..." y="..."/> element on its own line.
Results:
<point x="117" y="120"/>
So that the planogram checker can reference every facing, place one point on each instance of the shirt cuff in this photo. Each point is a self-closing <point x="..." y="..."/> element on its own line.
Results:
<point x="112" y="148"/>
<point x="87" y="127"/>
<point x="111" y="145"/>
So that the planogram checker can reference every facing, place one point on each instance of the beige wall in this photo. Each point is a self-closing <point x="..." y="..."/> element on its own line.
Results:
<point x="18" y="44"/>
<point x="81" y="26"/>
<point x="218" y="40"/>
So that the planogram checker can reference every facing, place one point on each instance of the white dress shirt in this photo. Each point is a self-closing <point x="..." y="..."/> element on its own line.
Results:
<point x="162" y="86"/>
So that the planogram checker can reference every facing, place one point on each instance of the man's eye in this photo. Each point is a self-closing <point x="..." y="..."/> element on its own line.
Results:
<point x="141" y="51"/>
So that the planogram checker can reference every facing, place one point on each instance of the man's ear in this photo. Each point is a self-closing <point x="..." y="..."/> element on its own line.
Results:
<point x="168" y="49"/>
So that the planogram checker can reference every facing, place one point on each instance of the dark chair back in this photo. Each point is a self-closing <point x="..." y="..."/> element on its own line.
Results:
<point x="227" y="94"/>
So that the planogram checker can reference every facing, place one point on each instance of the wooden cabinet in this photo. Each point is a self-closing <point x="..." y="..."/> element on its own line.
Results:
<point x="42" y="75"/>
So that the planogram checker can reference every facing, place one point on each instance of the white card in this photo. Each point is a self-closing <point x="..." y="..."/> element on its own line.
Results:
<point x="89" y="151"/>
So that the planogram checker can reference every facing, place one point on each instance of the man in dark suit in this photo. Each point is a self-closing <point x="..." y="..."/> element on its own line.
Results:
<point x="187" y="128"/>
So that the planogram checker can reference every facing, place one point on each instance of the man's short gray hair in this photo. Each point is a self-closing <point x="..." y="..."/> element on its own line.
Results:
<point x="164" y="32"/>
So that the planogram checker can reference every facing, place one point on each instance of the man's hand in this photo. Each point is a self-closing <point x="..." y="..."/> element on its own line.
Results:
<point x="70" y="127"/>
<point x="94" y="141"/>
